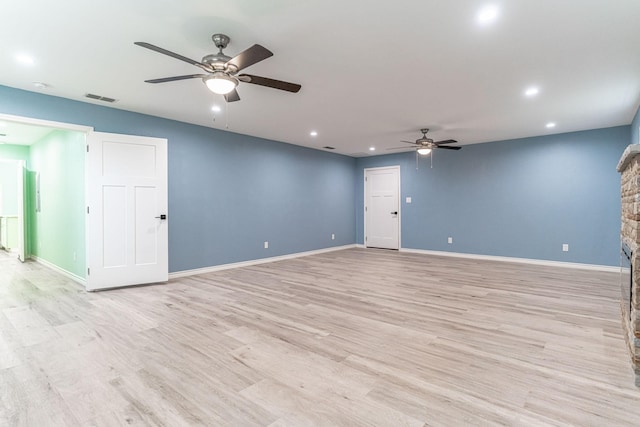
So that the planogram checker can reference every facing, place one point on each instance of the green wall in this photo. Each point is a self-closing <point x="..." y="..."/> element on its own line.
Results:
<point x="56" y="234"/>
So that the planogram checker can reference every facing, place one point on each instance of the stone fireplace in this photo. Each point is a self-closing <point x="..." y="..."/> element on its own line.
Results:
<point x="629" y="167"/>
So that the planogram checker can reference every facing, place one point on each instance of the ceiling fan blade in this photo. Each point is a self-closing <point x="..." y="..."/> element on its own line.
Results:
<point x="410" y="142"/>
<point x="250" y="56"/>
<point x="173" y="79"/>
<point x="444" y="147"/>
<point x="276" y="84"/>
<point x="446" y="141"/>
<point x="399" y="148"/>
<point x="232" y="96"/>
<point x="173" y="55"/>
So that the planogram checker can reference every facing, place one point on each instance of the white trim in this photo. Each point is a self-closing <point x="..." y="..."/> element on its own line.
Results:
<point x="594" y="267"/>
<point x="249" y="263"/>
<point x="62" y="271"/>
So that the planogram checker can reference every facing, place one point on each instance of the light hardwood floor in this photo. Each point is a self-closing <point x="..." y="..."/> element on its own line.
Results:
<point x="349" y="338"/>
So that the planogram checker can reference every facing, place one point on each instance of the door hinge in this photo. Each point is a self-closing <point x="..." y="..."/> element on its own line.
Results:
<point x="87" y="148"/>
<point x="87" y="209"/>
<point x="365" y="238"/>
<point x="365" y="208"/>
<point x="88" y="271"/>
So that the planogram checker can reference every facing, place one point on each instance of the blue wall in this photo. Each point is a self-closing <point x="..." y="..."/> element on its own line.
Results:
<point x="520" y="198"/>
<point x="228" y="193"/>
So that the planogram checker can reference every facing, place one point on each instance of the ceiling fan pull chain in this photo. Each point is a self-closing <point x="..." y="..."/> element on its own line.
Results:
<point x="226" y="115"/>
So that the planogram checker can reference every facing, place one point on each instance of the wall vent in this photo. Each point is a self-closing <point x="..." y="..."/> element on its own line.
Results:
<point x="99" y="97"/>
<point x="329" y="148"/>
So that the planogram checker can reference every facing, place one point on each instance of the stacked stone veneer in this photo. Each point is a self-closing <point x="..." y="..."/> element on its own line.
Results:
<point x="629" y="167"/>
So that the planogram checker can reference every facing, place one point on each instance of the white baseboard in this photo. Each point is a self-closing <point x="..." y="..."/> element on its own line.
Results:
<point x="185" y="273"/>
<point x="62" y="271"/>
<point x="593" y="267"/>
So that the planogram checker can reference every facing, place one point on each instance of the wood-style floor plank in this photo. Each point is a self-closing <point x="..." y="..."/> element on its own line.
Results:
<point x="349" y="338"/>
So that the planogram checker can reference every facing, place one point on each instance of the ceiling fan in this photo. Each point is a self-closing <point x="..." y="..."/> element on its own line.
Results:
<point x="222" y="71"/>
<point x="424" y="145"/>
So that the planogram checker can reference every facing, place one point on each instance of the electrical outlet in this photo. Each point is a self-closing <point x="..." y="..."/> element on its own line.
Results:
<point x="333" y="236"/>
<point x="408" y="199"/>
<point x="266" y="245"/>
<point x="450" y="240"/>
<point x="565" y="247"/>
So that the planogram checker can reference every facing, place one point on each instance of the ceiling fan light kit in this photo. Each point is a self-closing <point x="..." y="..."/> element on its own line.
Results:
<point x="222" y="71"/>
<point x="220" y="83"/>
<point x="424" y="151"/>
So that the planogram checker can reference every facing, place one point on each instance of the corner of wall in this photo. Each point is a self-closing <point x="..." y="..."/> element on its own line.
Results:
<point x="635" y="128"/>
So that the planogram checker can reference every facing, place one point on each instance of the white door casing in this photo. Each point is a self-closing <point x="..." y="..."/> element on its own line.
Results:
<point x="382" y="207"/>
<point x="127" y="239"/>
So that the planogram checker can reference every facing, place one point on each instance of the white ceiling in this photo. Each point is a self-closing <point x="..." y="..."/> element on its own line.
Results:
<point x="372" y="73"/>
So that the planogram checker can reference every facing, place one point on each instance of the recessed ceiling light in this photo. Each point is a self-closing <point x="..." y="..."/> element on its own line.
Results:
<point x="550" y="125"/>
<point x="532" y="91"/>
<point x="372" y="148"/>
<point x="487" y="14"/>
<point x="40" y="85"/>
<point x="313" y="133"/>
<point x="25" y="59"/>
<point x="216" y="109"/>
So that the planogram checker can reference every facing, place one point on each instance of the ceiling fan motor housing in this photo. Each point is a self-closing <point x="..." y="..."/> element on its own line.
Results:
<point x="217" y="61"/>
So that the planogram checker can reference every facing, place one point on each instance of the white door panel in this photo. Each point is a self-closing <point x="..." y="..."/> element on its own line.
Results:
<point x="127" y="240"/>
<point x="382" y="214"/>
<point x="146" y="236"/>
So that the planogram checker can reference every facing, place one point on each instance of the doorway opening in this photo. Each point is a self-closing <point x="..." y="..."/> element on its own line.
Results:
<point x="49" y="224"/>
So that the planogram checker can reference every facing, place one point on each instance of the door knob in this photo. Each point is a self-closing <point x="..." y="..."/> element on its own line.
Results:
<point x="163" y="216"/>
<point x="394" y="213"/>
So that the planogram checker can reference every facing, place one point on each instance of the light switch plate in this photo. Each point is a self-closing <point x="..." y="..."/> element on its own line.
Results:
<point x="408" y="199"/>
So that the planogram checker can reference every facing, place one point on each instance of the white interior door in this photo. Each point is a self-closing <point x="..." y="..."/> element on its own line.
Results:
<point x="382" y="208"/>
<point x="127" y="230"/>
<point x="22" y="178"/>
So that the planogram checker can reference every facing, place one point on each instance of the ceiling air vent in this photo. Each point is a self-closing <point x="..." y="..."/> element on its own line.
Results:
<point x="99" y="98"/>
<point x="329" y="148"/>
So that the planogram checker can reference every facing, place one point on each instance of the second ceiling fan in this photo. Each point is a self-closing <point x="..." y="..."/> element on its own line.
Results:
<point x="425" y="145"/>
<point x="222" y="71"/>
